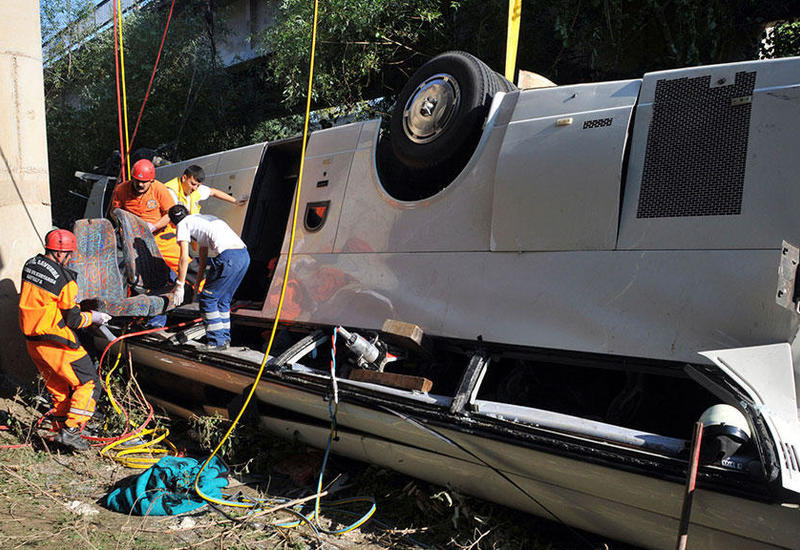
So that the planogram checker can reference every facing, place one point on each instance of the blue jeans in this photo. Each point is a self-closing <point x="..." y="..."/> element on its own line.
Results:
<point x="226" y="272"/>
<point x="158" y="321"/>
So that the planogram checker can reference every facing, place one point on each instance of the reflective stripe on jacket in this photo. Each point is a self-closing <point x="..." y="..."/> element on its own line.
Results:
<point x="47" y="308"/>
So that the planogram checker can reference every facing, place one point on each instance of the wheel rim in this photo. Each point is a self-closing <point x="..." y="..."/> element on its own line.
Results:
<point x="430" y="108"/>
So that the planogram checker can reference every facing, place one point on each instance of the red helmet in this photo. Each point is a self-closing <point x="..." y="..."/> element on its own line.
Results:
<point x="143" y="170"/>
<point x="60" y="240"/>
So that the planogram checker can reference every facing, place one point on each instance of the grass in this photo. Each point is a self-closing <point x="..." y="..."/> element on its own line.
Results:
<point x="37" y="485"/>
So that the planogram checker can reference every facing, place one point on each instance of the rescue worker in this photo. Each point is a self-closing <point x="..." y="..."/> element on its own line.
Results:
<point x="149" y="199"/>
<point x="228" y="266"/>
<point x="48" y="316"/>
<point x="189" y="190"/>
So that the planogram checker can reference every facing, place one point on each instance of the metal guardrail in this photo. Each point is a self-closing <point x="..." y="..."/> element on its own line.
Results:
<point x="86" y="27"/>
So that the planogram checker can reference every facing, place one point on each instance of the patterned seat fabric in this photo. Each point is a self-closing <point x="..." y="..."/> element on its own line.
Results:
<point x="100" y="285"/>
<point x="133" y="306"/>
<point x="143" y="264"/>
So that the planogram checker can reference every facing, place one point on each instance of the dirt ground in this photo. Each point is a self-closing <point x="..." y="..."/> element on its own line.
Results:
<point x="52" y="499"/>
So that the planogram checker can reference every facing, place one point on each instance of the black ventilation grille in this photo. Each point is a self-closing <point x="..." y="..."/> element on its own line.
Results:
<point x="696" y="148"/>
<point x="790" y="458"/>
<point x="597" y="123"/>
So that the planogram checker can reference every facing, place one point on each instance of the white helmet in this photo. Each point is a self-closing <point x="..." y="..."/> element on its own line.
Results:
<point x="725" y="430"/>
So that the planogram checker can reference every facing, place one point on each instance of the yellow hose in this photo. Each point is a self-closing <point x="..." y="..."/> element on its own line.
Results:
<point x="148" y="448"/>
<point x="108" y="382"/>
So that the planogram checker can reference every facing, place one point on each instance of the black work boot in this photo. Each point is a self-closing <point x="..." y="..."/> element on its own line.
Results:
<point x="95" y="424"/>
<point x="71" y="438"/>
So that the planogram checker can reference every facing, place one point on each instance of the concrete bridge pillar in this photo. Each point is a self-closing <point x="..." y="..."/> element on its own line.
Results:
<point x="24" y="187"/>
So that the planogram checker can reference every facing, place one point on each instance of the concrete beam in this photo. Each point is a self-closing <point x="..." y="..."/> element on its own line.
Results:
<point x="24" y="188"/>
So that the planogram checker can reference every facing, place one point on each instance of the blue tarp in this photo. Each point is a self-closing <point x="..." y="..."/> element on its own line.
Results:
<point x="167" y="487"/>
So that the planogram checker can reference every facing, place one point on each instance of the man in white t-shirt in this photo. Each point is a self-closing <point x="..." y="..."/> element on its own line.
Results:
<point x="228" y="262"/>
<point x="189" y="190"/>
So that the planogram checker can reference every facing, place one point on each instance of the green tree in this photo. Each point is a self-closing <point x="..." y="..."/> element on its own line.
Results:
<point x="613" y="39"/>
<point x="196" y="106"/>
<point x="63" y="26"/>
<point x="782" y="39"/>
<point x="366" y="49"/>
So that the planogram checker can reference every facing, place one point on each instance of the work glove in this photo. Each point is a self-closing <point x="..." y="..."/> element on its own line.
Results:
<point x="151" y="227"/>
<point x="178" y="294"/>
<point x="242" y="199"/>
<point x="100" y="318"/>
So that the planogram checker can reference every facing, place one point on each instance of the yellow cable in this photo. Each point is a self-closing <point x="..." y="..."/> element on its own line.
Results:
<point x="108" y="382"/>
<point x="146" y="447"/>
<point x="284" y="284"/>
<point x="124" y="97"/>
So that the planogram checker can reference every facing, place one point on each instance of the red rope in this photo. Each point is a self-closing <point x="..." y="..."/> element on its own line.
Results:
<point x="122" y="150"/>
<point x="151" y="412"/>
<point x="127" y="432"/>
<point x="16" y="446"/>
<point x="153" y="75"/>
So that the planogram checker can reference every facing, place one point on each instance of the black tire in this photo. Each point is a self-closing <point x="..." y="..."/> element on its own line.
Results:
<point x="504" y="84"/>
<point x="449" y="145"/>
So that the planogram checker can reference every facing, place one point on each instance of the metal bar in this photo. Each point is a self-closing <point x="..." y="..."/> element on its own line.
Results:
<point x="691" y="477"/>
<point x="473" y="373"/>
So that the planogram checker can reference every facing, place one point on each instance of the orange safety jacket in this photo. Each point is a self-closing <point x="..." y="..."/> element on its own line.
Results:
<point x="47" y="308"/>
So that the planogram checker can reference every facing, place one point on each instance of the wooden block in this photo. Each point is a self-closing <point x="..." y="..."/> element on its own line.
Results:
<point x="528" y="80"/>
<point x="403" y="330"/>
<point x="402" y="381"/>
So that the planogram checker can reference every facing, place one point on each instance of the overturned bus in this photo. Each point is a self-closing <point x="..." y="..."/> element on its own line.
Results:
<point x="558" y="282"/>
